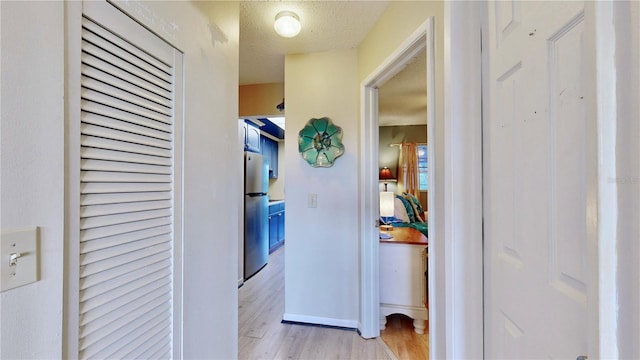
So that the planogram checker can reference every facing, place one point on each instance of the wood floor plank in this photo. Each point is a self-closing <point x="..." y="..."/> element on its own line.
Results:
<point x="294" y="342"/>
<point x="261" y="335"/>
<point x="403" y="340"/>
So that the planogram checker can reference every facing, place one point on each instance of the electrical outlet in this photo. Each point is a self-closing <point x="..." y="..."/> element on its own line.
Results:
<point x="312" y="201"/>
<point x="18" y="258"/>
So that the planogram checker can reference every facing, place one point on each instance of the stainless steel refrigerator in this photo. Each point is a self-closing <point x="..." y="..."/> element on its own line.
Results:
<point x="256" y="212"/>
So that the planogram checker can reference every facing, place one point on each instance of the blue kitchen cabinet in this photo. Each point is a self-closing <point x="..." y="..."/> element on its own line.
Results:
<point x="252" y="137"/>
<point x="270" y="153"/>
<point x="276" y="226"/>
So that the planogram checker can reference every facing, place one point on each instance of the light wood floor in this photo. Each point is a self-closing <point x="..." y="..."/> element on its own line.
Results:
<point x="263" y="336"/>
<point x="402" y="340"/>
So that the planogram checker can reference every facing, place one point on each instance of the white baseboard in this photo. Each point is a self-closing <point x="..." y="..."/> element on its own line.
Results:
<point x="353" y="324"/>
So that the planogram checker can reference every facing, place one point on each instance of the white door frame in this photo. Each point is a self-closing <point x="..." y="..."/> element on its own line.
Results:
<point x="420" y="40"/>
<point x="462" y="234"/>
<point x="456" y="317"/>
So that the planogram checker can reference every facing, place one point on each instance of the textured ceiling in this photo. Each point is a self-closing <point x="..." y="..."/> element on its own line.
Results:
<point x="326" y="25"/>
<point x="402" y="100"/>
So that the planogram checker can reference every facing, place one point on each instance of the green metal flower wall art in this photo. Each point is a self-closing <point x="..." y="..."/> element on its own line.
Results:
<point x="320" y="142"/>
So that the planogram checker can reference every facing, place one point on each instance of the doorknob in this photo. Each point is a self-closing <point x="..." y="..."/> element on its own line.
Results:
<point x="582" y="357"/>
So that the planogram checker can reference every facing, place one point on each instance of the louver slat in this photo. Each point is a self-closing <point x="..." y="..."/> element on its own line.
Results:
<point x="107" y="68"/>
<point x="96" y="279"/>
<point x="119" y="156"/>
<point x="109" y="133"/>
<point x="99" y="120"/>
<point x="103" y="243"/>
<point x="110" y="209"/>
<point x="119" y="290"/>
<point x="145" y="327"/>
<point x="126" y="199"/>
<point x="116" y="166"/>
<point x="97" y="188"/>
<point x="123" y="146"/>
<point x="120" y="229"/>
<point x="93" y="73"/>
<point x="146" y="345"/>
<point x="95" y="96"/>
<point x="117" y="287"/>
<point x="105" y="343"/>
<point x="140" y="60"/>
<point x="89" y="288"/>
<point x="101" y="199"/>
<point x="121" y="219"/>
<point x="122" y="177"/>
<point x="162" y="353"/>
<point x="88" y="25"/>
<point x="141" y="344"/>
<point x="115" y="92"/>
<point x="91" y="107"/>
<point x="123" y="65"/>
<point x="134" y="301"/>
<point x="128" y="250"/>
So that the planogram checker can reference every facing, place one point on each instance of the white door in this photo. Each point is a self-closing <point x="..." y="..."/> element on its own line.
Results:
<point x="538" y="181"/>
<point x="127" y="273"/>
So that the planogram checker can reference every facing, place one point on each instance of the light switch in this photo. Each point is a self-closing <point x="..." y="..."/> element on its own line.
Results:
<point x="312" y="201"/>
<point x="18" y="258"/>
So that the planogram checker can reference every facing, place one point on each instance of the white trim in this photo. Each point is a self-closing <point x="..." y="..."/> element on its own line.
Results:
<point x="369" y="249"/>
<point x="369" y="208"/>
<point x="353" y="324"/>
<point x="73" y="39"/>
<point x="178" y="205"/>
<point x="603" y="330"/>
<point x="462" y="233"/>
<point x="436" y="326"/>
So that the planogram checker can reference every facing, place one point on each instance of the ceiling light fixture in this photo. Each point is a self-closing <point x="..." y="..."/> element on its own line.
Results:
<point x="287" y="24"/>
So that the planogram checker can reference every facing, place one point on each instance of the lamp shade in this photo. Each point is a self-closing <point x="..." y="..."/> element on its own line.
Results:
<point x="386" y="203"/>
<point x="385" y="174"/>
<point x="287" y="24"/>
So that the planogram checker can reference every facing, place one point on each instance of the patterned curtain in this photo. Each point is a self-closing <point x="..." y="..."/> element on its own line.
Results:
<point x="408" y="180"/>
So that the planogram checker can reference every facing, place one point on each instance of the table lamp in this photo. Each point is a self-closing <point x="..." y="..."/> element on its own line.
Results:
<point x="386" y="210"/>
<point x="386" y="176"/>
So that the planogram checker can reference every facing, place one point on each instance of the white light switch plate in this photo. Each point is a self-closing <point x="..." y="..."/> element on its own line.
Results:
<point x="312" y="201"/>
<point x="23" y="244"/>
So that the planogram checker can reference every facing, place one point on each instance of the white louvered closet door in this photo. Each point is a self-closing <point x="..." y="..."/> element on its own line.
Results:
<point x="128" y="202"/>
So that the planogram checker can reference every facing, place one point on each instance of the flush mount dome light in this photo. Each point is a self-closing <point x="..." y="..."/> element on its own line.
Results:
<point x="287" y="24"/>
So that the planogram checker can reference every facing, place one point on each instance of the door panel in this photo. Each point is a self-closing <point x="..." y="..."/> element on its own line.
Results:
<point x="128" y="191"/>
<point x="535" y="181"/>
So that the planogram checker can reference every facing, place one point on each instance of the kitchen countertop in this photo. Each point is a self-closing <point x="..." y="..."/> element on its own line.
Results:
<point x="275" y="202"/>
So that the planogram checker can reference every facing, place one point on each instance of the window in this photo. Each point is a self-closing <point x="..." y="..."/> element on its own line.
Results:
<point x="423" y="167"/>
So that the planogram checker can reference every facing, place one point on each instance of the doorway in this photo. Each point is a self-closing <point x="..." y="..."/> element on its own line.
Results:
<point x="402" y="139"/>
<point x="421" y="40"/>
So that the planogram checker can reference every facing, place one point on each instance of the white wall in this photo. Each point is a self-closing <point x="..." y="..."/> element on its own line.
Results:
<point x="321" y="258"/>
<point x="33" y="168"/>
<point x="627" y="179"/>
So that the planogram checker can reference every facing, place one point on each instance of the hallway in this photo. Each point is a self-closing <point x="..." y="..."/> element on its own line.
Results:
<point x="263" y="336"/>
